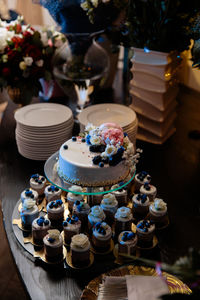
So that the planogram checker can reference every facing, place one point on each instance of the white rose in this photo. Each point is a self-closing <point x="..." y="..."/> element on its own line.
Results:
<point x="79" y="240"/>
<point x="3" y="39"/>
<point x="22" y="65"/>
<point x="89" y="127"/>
<point x="97" y="211"/>
<point x="39" y="63"/>
<point x="28" y="203"/>
<point x="159" y="204"/>
<point x="109" y="199"/>
<point x="95" y="2"/>
<point x="28" y="60"/>
<point x="95" y="140"/>
<point x="123" y="212"/>
<point x="110" y="150"/>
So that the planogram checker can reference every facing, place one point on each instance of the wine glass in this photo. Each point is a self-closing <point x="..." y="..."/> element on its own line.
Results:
<point x="82" y="61"/>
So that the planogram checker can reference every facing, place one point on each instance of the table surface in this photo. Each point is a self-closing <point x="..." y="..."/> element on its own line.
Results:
<point x="174" y="167"/>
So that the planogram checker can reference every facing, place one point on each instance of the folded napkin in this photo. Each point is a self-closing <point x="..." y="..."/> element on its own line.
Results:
<point x="132" y="287"/>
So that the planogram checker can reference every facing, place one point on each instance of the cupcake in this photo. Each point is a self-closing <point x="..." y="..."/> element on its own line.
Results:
<point x="40" y="227"/>
<point x="120" y="194"/>
<point x="55" y="213"/>
<point x="149" y="189"/>
<point x="96" y="215"/>
<point x="140" y="204"/>
<point x="53" y="246"/>
<point x="52" y="193"/>
<point x="127" y="241"/>
<point x="71" y="226"/>
<point x="28" y="213"/>
<point x="29" y="194"/>
<point x="140" y="179"/>
<point x="82" y="209"/>
<point x="145" y="232"/>
<point x="38" y="183"/>
<point x="158" y="212"/>
<point x="109" y="204"/>
<point x="101" y="237"/>
<point x="123" y="220"/>
<point x="80" y="250"/>
<point x="72" y="196"/>
<point x="96" y="199"/>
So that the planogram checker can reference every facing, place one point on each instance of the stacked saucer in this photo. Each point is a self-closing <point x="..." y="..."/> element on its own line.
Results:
<point x="116" y="113"/>
<point x="42" y="128"/>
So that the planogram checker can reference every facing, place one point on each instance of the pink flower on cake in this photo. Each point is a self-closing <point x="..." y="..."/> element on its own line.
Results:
<point x="113" y="136"/>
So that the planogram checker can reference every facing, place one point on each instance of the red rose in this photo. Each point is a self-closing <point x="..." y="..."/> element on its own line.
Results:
<point x="6" y="72"/>
<point x="33" y="51"/>
<point x="27" y="34"/>
<point x="18" y="28"/>
<point x="17" y="41"/>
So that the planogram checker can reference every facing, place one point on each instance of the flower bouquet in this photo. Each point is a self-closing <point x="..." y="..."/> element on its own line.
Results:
<point x="25" y="57"/>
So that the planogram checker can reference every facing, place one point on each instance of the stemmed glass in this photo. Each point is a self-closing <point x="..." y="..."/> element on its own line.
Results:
<point x="82" y="61"/>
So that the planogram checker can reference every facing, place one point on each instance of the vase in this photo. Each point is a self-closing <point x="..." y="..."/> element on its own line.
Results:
<point x="153" y="89"/>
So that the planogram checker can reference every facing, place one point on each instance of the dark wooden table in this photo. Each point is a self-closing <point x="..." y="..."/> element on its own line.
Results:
<point x="175" y="170"/>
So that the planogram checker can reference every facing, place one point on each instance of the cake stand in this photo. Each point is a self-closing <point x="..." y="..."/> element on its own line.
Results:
<point x="51" y="173"/>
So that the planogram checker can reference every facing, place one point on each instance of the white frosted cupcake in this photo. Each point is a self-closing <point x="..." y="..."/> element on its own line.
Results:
<point x="145" y="232"/>
<point x="52" y="193"/>
<point x="96" y="215"/>
<point x="127" y="241"/>
<point x="158" y="212"/>
<point x="55" y="213"/>
<point x="150" y="190"/>
<point x="29" y="194"/>
<point x="40" y="227"/>
<point x="101" y="237"/>
<point x="140" y="204"/>
<point x="72" y="197"/>
<point x="38" y="183"/>
<point x="123" y="220"/>
<point x="71" y="226"/>
<point x="120" y="195"/>
<point x="140" y="179"/>
<point x="80" y="250"/>
<point x="109" y="205"/>
<point x="53" y="246"/>
<point x="28" y="213"/>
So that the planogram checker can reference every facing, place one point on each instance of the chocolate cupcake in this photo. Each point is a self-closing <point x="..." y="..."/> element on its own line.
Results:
<point x="53" y="246"/>
<point x="140" y="179"/>
<point x="140" y="204"/>
<point x="52" y="193"/>
<point x="28" y="213"/>
<point x="71" y="226"/>
<point x="40" y="227"/>
<point x="82" y="209"/>
<point x="120" y="195"/>
<point x="96" y="215"/>
<point x="72" y="197"/>
<point x="145" y="232"/>
<point x="29" y="194"/>
<point x="109" y="205"/>
<point x="123" y="220"/>
<point x="38" y="183"/>
<point x="80" y="250"/>
<point x="149" y="189"/>
<point x="55" y="213"/>
<point x="127" y="241"/>
<point x="158" y="213"/>
<point x="101" y="237"/>
<point x="96" y="199"/>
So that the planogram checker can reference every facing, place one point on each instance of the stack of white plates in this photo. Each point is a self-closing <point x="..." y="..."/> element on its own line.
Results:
<point x="115" y="113"/>
<point x="42" y="128"/>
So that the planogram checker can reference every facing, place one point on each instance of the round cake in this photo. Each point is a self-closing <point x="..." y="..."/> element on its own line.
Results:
<point x="102" y="157"/>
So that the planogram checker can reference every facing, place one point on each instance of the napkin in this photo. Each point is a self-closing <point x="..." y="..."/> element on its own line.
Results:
<point x="145" y="287"/>
<point x="132" y="287"/>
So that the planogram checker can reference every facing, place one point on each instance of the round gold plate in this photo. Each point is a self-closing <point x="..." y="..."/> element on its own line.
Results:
<point x="174" y="284"/>
<point x="121" y="259"/>
<point x="69" y="261"/>
<point x="106" y="252"/>
<point x="40" y="254"/>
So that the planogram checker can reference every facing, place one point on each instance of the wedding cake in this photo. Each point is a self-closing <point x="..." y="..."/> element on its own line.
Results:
<point x="98" y="157"/>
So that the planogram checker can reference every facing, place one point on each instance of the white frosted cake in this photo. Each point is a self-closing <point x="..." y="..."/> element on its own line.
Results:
<point x="102" y="157"/>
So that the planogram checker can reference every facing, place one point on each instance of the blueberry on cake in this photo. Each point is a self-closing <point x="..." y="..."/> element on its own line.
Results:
<point x="158" y="212"/>
<point x="149" y="189"/>
<point x="29" y="194"/>
<point x="145" y="232"/>
<point x="28" y="213"/>
<point x="40" y="227"/>
<point x="71" y="226"/>
<point x="80" y="250"/>
<point x="127" y="242"/>
<point x="96" y="215"/>
<point x="140" y="204"/>
<point x="123" y="220"/>
<point x="72" y="196"/>
<point x="53" y="246"/>
<point x="55" y="213"/>
<point x="140" y="179"/>
<point x="38" y="183"/>
<point x="101" y="237"/>
<point x="52" y="193"/>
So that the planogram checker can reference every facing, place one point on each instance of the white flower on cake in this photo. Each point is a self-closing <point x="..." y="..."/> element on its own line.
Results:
<point x="123" y="212"/>
<point x="54" y="234"/>
<point x="95" y="140"/>
<point x="159" y="204"/>
<point x="97" y="211"/>
<point x="110" y="150"/>
<point x="89" y="127"/>
<point x="28" y="203"/>
<point x="79" y="240"/>
<point x="109" y="199"/>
